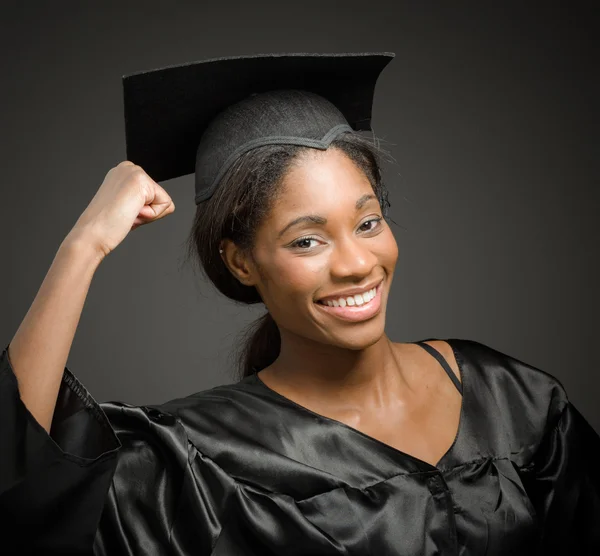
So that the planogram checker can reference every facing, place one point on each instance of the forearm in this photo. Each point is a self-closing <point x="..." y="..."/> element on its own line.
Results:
<point x="39" y="350"/>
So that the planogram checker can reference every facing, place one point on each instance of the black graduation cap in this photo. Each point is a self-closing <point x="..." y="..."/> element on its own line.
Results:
<point x="200" y="116"/>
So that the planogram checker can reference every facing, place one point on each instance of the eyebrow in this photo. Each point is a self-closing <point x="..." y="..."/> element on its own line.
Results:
<point x="320" y="220"/>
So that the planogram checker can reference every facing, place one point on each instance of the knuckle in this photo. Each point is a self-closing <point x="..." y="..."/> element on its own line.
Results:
<point x="138" y="175"/>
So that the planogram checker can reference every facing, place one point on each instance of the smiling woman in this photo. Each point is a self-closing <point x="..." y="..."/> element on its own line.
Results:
<point x="310" y="214"/>
<point x="335" y="440"/>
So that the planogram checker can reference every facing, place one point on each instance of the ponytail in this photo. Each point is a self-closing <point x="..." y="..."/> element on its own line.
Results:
<point x="261" y="345"/>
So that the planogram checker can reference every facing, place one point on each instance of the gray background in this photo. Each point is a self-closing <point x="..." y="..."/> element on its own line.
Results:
<point x="490" y="113"/>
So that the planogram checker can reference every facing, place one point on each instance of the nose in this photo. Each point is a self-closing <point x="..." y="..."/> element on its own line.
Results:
<point x="352" y="257"/>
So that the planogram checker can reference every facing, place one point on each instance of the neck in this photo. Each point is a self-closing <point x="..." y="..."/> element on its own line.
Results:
<point x="336" y="376"/>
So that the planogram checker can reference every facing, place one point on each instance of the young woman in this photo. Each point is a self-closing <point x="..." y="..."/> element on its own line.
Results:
<point x="336" y="439"/>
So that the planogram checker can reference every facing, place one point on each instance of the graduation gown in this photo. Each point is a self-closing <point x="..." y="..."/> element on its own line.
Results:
<point x="240" y="469"/>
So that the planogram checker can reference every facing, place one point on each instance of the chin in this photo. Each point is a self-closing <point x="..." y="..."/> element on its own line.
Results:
<point x="357" y="336"/>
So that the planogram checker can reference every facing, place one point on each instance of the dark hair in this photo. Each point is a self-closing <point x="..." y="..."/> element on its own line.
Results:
<point x="242" y="200"/>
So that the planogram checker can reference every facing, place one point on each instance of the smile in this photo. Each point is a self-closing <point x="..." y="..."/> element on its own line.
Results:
<point x="354" y="308"/>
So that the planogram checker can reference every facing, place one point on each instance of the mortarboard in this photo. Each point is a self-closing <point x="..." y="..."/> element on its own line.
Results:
<point x="200" y="116"/>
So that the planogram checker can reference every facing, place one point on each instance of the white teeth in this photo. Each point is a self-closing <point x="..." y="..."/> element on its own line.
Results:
<point x="358" y="299"/>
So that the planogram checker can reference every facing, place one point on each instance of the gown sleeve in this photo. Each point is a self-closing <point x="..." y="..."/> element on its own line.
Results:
<point x="566" y="485"/>
<point x="104" y="481"/>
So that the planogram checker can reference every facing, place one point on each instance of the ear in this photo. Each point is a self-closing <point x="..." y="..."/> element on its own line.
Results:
<point x="239" y="263"/>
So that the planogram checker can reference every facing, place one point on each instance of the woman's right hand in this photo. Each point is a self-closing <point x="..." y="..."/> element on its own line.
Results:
<point x="128" y="198"/>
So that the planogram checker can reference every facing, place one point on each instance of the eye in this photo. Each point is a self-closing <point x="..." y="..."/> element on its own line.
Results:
<point x="374" y="226"/>
<point x="298" y="243"/>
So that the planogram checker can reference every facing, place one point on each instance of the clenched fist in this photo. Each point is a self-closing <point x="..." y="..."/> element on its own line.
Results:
<point x="127" y="199"/>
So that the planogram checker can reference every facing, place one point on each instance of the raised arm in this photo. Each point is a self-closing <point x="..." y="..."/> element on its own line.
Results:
<point x="127" y="198"/>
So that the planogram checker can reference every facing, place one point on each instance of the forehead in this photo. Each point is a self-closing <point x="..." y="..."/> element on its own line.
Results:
<point x="320" y="181"/>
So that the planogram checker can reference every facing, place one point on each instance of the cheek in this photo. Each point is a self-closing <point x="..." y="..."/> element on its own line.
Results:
<point x="299" y="276"/>
<point x="289" y="279"/>
<point x="391" y="249"/>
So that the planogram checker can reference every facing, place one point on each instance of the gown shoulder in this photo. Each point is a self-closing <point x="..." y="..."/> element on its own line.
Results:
<point x="511" y="378"/>
<point x="517" y="401"/>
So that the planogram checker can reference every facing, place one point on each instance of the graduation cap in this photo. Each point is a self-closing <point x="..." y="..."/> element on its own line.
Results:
<point x="200" y="116"/>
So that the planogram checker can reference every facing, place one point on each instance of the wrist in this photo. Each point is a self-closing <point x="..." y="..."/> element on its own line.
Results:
<point x="81" y="246"/>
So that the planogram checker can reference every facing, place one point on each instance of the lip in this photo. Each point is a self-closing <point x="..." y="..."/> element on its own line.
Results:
<point x="356" y="313"/>
<point x="349" y="292"/>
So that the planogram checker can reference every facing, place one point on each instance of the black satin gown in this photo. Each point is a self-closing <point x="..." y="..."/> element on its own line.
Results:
<point x="241" y="470"/>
